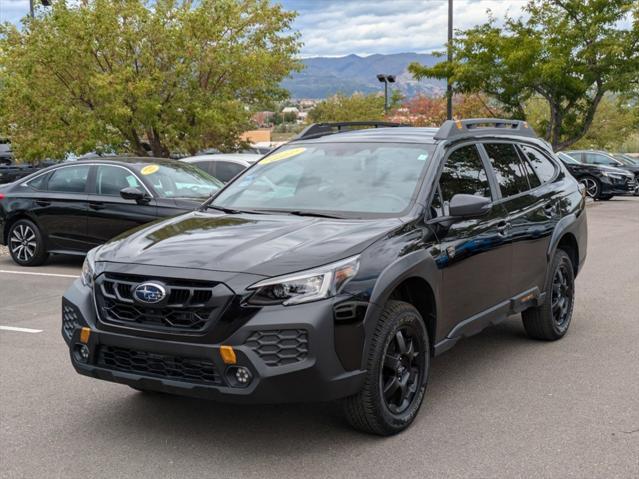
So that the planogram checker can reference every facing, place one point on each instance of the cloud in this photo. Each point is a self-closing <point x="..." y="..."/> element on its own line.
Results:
<point x="364" y="27"/>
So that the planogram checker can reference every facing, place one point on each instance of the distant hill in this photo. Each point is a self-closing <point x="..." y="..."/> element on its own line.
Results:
<point x="325" y="76"/>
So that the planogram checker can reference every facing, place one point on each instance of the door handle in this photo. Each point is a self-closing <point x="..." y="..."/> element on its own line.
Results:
<point x="42" y="203"/>
<point x="96" y="206"/>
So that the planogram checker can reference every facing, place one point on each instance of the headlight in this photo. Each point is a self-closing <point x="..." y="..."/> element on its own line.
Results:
<point x="88" y="268"/>
<point x="311" y="285"/>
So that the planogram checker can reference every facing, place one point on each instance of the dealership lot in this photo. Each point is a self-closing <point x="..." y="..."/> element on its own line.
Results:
<point x="498" y="405"/>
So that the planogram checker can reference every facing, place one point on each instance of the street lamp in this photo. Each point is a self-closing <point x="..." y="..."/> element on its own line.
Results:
<point x="46" y="3"/>
<point x="449" y="86"/>
<point x="386" y="79"/>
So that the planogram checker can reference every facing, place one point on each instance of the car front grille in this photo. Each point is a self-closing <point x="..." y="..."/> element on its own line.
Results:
<point x="279" y="347"/>
<point x="189" y="306"/>
<point x="179" y="368"/>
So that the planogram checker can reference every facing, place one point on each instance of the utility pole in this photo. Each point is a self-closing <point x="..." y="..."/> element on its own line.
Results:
<point x="31" y="8"/>
<point x="449" y="86"/>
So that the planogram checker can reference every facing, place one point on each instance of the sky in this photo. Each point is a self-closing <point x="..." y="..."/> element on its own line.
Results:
<point x="365" y="27"/>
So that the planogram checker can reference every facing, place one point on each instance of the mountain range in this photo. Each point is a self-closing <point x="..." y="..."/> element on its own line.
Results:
<point x="326" y="76"/>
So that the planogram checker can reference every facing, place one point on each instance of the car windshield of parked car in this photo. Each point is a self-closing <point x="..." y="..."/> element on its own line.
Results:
<point x="180" y="180"/>
<point x="625" y="160"/>
<point x="349" y="179"/>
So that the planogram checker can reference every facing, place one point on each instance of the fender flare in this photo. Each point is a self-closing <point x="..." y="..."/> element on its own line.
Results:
<point x="418" y="264"/>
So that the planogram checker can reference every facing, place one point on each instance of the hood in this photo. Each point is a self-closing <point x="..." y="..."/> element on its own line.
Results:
<point x="266" y="245"/>
<point x="609" y="169"/>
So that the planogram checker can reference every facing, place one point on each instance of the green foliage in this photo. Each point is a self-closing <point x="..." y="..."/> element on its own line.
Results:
<point x="357" y="107"/>
<point x="180" y="75"/>
<point x="567" y="52"/>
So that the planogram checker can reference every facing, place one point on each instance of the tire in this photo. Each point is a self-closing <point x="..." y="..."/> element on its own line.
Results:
<point x="26" y="244"/>
<point x="404" y="369"/>
<point x="604" y="197"/>
<point x="551" y="320"/>
<point x="593" y="186"/>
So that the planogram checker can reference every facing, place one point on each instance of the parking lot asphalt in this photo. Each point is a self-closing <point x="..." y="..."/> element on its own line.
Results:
<point x="498" y="404"/>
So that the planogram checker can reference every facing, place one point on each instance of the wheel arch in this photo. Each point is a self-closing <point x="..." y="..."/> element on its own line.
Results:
<point x="414" y="279"/>
<point x="14" y="218"/>
<point x="568" y="236"/>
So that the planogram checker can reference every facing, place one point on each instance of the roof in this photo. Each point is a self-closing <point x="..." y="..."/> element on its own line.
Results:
<point x="401" y="134"/>
<point x="129" y="160"/>
<point x="246" y="158"/>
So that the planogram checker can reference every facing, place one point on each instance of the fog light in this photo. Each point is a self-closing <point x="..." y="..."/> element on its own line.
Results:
<point x="239" y="376"/>
<point x="82" y="353"/>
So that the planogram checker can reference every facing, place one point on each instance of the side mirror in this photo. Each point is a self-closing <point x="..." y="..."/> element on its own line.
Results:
<point x="134" y="194"/>
<point x="469" y="205"/>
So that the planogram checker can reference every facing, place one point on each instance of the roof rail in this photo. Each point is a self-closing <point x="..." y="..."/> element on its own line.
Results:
<point x="317" y="130"/>
<point x="452" y="129"/>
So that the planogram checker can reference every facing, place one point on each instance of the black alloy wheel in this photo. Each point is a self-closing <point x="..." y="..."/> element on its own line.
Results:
<point x="397" y="364"/>
<point x="402" y="372"/>
<point x="25" y="243"/>
<point x="550" y="320"/>
<point x="562" y="295"/>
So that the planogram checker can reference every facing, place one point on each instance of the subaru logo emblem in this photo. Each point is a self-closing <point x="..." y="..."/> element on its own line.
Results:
<point x="150" y="293"/>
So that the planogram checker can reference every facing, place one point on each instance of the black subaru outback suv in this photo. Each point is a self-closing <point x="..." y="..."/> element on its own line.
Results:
<point x="336" y="268"/>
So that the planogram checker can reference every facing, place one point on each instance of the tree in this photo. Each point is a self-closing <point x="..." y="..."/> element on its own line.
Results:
<point x="357" y="107"/>
<point x="177" y="74"/>
<point x="568" y="52"/>
<point x="431" y="111"/>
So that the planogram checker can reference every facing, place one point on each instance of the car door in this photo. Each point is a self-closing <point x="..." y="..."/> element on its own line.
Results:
<point x="108" y="213"/>
<point x="533" y="209"/>
<point x="60" y="207"/>
<point x="474" y="253"/>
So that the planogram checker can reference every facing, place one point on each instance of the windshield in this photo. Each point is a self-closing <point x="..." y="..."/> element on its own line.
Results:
<point x="625" y="160"/>
<point x="567" y="159"/>
<point x="352" y="178"/>
<point x="180" y="180"/>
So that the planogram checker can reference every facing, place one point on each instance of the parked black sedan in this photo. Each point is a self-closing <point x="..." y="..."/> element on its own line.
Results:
<point x="602" y="182"/>
<point x="72" y="207"/>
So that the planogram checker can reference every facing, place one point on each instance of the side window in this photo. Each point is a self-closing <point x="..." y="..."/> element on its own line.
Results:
<point x="544" y="168"/>
<point x="528" y="171"/>
<point x="508" y="168"/>
<point x="110" y="180"/>
<point x="71" y="179"/>
<point x="463" y="173"/>
<point x="226" y="171"/>
<point x="598" y="159"/>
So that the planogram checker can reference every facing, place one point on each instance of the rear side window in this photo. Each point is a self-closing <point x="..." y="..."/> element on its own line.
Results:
<point x="72" y="179"/>
<point x="544" y="168"/>
<point x="508" y="168"/>
<point x="226" y="171"/>
<point x="464" y="173"/>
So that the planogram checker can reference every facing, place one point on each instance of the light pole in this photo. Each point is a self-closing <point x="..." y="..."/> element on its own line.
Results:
<point x="386" y="79"/>
<point x="46" y="3"/>
<point x="449" y="86"/>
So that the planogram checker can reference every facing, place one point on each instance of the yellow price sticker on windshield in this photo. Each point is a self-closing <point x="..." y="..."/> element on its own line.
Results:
<point x="282" y="155"/>
<point x="149" y="169"/>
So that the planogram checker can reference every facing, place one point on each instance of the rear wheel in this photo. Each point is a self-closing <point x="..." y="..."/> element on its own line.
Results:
<point x="605" y="197"/>
<point x="26" y="244"/>
<point x="551" y="320"/>
<point x="397" y="373"/>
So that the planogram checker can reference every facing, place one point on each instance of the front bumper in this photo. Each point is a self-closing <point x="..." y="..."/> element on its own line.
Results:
<point x="318" y="375"/>
<point x="615" y="186"/>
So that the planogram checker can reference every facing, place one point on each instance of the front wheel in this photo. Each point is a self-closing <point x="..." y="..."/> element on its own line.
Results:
<point x="593" y="187"/>
<point x="397" y="372"/>
<point x="26" y="244"/>
<point x="550" y="321"/>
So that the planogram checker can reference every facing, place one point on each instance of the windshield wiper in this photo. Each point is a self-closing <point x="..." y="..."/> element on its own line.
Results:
<point x="232" y="211"/>
<point x="307" y="213"/>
